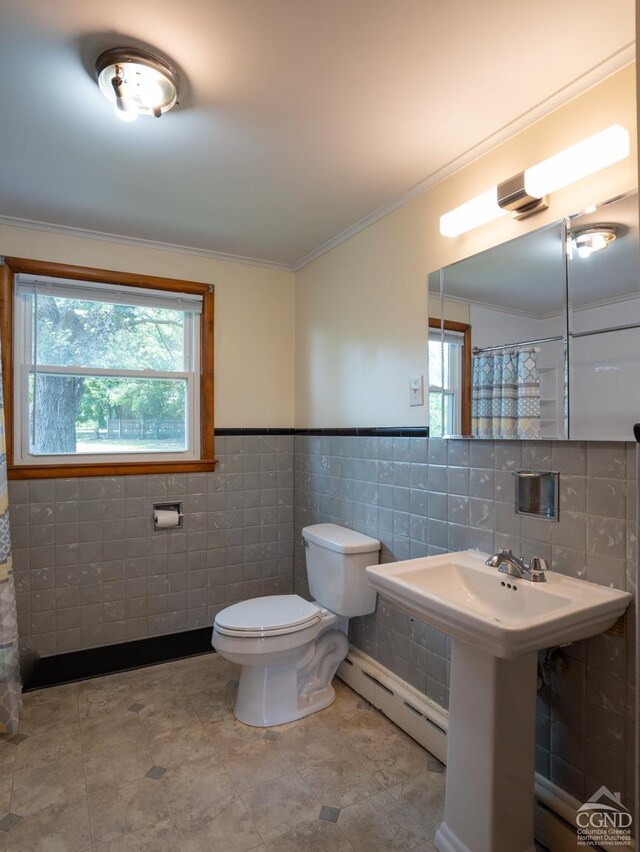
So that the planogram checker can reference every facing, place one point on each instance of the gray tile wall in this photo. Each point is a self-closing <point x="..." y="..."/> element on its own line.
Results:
<point x="422" y="497"/>
<point x="90" y="570"/>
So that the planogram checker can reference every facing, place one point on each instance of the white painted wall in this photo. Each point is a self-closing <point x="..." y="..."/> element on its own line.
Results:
<point x="253" y="316"/>
<point x="361" y="309"/>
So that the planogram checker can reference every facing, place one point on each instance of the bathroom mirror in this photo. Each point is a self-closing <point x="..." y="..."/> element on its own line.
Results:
<point x="604" y="321"/>
<point x="535" y="338"/>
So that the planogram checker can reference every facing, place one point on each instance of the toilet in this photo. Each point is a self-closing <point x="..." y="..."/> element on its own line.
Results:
<point x="289" y="648"/>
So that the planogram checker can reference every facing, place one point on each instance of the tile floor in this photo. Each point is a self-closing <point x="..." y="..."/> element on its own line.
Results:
<point x="153" y="761"/>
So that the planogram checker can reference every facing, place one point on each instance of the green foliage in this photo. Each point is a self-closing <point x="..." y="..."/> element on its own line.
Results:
<point x="79" y="333"/>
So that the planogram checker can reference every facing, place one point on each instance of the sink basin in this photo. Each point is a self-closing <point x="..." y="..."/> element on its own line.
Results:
<point x="497" y="624"/>
<point x="506" y="617"/>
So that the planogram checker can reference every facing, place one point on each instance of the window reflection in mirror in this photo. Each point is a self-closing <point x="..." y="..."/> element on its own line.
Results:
<point x="509" y="303"/>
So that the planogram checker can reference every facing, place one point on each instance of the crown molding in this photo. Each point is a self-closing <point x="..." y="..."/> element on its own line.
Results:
<point x="68" y="230"/>
<point x="595" y="75"/>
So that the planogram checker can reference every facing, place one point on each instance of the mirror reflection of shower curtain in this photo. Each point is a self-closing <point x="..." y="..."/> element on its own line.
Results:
<point x="505" y="401"/>
<point x="10" y="684"/>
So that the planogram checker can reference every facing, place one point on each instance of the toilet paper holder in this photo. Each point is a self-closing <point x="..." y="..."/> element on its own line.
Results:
<point x="167" y="507"/>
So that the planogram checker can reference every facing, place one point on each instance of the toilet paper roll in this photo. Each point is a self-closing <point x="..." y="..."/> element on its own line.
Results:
<point x="166" y="518"/>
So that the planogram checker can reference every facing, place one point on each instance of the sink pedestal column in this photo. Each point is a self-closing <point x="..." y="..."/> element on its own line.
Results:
<point x="490" y="753"/>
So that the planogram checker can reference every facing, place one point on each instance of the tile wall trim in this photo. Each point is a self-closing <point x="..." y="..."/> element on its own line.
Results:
<point x="107" y="659"/>
<point x="355" y="431"/>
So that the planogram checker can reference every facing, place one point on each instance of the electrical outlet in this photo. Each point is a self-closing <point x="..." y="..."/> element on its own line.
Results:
<point x="416" y="391"/>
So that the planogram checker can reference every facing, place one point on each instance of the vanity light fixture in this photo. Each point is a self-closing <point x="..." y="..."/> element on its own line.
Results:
<point x="136" y="82"/>
<point x="525" y="193"/>
<point x="587" y="241"/>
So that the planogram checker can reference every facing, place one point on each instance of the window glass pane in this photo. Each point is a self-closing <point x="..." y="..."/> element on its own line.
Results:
<point x="435" y="414"/>
<point x="435" y="363"/>
<point x="71" y="414"/>
<point x="83" y="333"/>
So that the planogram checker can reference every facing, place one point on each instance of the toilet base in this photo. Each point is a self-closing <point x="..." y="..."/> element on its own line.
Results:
<point x="274" y="695"/>
<point x="264" y="697"/>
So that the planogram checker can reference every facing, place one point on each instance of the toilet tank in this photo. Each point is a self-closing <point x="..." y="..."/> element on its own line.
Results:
<point x="336" y="562"/>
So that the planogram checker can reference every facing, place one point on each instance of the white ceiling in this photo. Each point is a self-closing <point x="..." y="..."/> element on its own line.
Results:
<point x="299" y="117"/>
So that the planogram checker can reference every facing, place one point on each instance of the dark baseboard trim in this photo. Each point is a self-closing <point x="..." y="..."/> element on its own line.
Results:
<point x="356" y="431"/>
<point x="370" y="432"/>
<point x="249" y="431"/>
<point x="95" y="662"/>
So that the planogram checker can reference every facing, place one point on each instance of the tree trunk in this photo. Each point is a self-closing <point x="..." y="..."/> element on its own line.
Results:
<point x="56" y="400"/>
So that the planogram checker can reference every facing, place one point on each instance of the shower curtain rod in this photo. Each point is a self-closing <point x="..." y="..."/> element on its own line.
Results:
<point x="477" y="350"/>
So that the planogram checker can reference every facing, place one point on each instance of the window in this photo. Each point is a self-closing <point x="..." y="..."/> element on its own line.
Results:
<point x="449" y="378"/>
<point x="108" y="370"/>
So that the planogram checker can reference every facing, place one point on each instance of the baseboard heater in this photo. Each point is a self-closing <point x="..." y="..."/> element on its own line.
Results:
<point x="427" y="723"/>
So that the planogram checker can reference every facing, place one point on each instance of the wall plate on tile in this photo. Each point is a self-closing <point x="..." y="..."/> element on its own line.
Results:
<point x="416" y="391"/>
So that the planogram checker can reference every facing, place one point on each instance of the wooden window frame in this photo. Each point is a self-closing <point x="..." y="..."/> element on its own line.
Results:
<point x="206" y="462"/>
<point x="465" y="391"/>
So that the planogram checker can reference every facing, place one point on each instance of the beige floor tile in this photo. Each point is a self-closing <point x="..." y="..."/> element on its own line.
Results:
<point x="155" y="838"/>
<point x="226" y="827"/>
<point x="110" y="729"/>
<point x="215" y="702"/>
<point x="99" y="697"/>
<point x="280" y="805"/>
<point x="380" y="824"/>
<point x="346" y="700"/>
<point x="256" y="762"/>
<point x="229" y="734"/>
<point x="313" y="741"/>
<point x="45" y="709"/>
<point x="193" y="789"/>
<point x="181" y="745"/>
<point x="366" y="727"/>
<point x="57" y="744"/>
<point x="117" y="764"/>
<point x="155" y="683"/>
<point x="423" y="798"/>
<point x="58" y="828"/>
<point x="43" y="786"/>
<point x="6" y="783"/>
<point x="167" y="714"/>
<point x="8" y="753"/>
<point x="394" y="759"/>
<point x="340" y="781"/>
<point x="125" y="808"/>
<point x="316" y="836"/>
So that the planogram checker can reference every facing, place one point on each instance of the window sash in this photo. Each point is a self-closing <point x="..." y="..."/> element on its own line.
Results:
<point x="24" y="367"/>
<point x="119" y="294"/>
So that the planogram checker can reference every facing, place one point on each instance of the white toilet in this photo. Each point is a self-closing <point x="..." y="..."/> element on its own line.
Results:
<point x="289" y="648"/>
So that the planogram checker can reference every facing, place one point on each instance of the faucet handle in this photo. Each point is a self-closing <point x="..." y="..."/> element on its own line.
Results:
<point x="538" y="565"/>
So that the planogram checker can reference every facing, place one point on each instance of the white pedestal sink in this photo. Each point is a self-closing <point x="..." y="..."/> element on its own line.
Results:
<point x="498" y="624"/>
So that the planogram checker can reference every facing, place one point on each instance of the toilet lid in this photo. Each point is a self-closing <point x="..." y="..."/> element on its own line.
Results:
<point x="268" y="616"/>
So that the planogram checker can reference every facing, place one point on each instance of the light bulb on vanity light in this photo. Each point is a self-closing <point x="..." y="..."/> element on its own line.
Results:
<point x="525" y="194"/>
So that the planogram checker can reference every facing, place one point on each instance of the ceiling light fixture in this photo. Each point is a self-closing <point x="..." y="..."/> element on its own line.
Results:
<point x="137" y="83"/>
<point x="525" y="193"/>
<point x="587" y="241"/>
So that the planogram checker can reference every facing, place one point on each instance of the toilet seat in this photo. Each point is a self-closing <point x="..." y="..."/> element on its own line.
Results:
<point x="275" y="615"/>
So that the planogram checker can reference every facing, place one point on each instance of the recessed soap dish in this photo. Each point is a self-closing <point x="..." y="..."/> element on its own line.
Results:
<point x="537" y="493"/>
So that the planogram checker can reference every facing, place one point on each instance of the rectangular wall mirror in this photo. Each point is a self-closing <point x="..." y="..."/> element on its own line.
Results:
<point x="536" y="338"/>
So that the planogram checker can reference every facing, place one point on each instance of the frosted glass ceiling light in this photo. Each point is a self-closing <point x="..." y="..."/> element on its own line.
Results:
<point x="525" y="193"/>
<point x="136" y="82"/>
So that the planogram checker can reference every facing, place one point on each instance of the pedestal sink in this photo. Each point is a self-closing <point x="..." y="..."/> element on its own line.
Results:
<point x="497" y="624"/>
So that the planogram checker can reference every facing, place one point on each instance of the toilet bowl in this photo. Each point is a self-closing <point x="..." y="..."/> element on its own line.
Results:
<point x="289" y="649"/>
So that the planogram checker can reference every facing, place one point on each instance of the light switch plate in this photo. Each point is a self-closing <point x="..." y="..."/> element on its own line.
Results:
<point x="416" y="391"/>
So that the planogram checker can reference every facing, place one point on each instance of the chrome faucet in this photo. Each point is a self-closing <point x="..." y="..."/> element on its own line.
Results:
<point x="507" y="563"/>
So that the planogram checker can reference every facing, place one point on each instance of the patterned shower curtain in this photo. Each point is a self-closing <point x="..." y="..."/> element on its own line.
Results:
<point x="10" y="684"/>
<point x="505" y="400"/>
